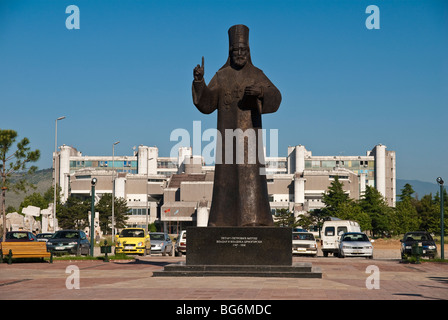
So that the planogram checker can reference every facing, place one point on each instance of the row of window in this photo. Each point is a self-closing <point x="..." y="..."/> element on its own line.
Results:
<point x="276" y="164"/>
<point x="166" y="164"/>
<point x="350" y="164"/>
<point x="137" y="212"/>
<point x="102" y="164"/>
<point x="117" y="164"/>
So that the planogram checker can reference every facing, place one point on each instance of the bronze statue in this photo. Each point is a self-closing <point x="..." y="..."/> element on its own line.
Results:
<point x="241" y="93"/>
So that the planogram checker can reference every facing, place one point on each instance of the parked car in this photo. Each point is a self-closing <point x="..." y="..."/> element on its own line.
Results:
<point x="304" y="243"/>
<point x="43" y="237"/>
<point x="161" y="243"/>
<point x="331" y="233"/>
<point x="415" y="237"/>
<point x="69" y="241"/>
<point x="133" y="241"/>
<point x="19" y="236"/>
<point x="355" y="244"/>
<point x="181" y="244"/>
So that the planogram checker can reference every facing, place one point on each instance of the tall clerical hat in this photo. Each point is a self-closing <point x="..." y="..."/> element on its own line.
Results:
<point x="238" y="34"/>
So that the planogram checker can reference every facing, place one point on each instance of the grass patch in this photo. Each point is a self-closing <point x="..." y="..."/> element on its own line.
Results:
<point x="101" y="258"/>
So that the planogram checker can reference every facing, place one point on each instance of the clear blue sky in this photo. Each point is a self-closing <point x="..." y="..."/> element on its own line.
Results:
<point x="126" y="74"/>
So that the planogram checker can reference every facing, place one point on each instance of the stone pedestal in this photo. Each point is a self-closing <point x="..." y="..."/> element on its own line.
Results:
<point x="240" y="251"/>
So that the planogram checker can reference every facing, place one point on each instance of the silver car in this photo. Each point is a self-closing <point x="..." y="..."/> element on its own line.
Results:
<point x="304" y="243"/>
<point x="355" y="244"/>
<point x="161" y="243"/>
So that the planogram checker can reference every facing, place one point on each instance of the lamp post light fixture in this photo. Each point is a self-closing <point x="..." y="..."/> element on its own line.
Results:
<point x="92" y="218"/>
<point x="442" y="227"/>
<point x="54" y="170"/>
<point x="113" y="189"/>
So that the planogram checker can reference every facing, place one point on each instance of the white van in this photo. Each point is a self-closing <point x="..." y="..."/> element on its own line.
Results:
<point x="331" y="233"/>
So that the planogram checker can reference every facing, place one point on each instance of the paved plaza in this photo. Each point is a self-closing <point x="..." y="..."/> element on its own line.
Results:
<point x="346" y="279"/>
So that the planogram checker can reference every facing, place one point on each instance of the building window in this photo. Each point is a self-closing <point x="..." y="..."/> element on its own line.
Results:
<point x="339" y="177"/>
<point x="137" y="212"/>
<point x="364" y="163"/>
<point x="328" y="164"/>
<point x="166" y="164"/>
<point x="83" y="177"/>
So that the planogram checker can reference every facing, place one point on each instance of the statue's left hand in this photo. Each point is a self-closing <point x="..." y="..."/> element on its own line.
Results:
<point x="254" y="90"/>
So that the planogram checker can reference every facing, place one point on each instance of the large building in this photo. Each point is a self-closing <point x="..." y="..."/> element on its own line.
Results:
<point x="177" y="192"/>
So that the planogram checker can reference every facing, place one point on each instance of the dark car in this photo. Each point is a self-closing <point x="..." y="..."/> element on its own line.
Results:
<point x="69" y="241"/>
<point x="19" y="236"/>
<point x="416" y="238"/>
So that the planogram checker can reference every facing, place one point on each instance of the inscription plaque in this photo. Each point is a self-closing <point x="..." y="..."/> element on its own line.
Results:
<point x="239" y="246"/>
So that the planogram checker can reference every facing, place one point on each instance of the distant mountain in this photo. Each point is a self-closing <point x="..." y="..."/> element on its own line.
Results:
<point x="421" y="188"/>
<point x="42" y="179"/>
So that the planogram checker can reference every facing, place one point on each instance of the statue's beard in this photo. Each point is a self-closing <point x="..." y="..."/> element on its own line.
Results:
<point x="239" y="62"/>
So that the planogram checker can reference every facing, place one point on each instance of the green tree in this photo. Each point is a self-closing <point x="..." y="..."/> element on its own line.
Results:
<point x="429" y="214"/>
<point x="334" y="198"/>
<point x="405" y="217"/>
<point x="306" y="221"/>
<point x="14" y="163"/>
<point x="285" y="218"/>
<point x="74" y="214"/>
<point x="375" y="206"/>
<point x="104" y="207"/>
<point x="319" y="216"/>
<point x="10" y="209"/>
<point x="152" y="227"/>
<point x="406" y="192"/>
<point x="353" y="211"/>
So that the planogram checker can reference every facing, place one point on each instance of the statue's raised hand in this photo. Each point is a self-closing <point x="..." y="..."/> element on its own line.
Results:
<point x="198" y="71"/>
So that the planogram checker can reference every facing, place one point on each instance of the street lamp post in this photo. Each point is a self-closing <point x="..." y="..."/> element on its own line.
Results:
<point x="147" y="207"/>
<point x="113" y="189"/>
<point x="147" y="192"/>
<point x="442" y="227"/>
<point x="92" y="218"/>
<point x="54" y="168"/>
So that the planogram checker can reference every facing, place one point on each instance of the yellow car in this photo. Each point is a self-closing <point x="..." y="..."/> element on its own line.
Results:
<point x="133" y="241"/>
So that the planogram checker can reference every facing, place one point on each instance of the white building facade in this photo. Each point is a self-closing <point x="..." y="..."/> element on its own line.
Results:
<point x="177" y="191"/>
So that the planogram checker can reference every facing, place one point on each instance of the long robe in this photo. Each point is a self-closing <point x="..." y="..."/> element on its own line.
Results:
<point x="240" y="194"/>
